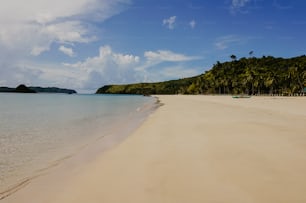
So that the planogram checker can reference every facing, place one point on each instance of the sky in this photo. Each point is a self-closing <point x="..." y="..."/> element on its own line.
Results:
<point x="85" y="44"/>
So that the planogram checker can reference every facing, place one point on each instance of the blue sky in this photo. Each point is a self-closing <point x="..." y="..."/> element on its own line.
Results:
<point x="84" y="44"/>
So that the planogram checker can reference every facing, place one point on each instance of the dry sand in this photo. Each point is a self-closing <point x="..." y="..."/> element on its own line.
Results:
<point x="194" y="149"/>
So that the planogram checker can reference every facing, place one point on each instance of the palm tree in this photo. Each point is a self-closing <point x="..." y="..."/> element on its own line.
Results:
<point x="233" y="57"/>
<point x="300" y="76"/>
<point x="269" y="82"/>
<point x="250" y="78"/>
<point x="304" y="81"/>
<point x="293" y="77"/>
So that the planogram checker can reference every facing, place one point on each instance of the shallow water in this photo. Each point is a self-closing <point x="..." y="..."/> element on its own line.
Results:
<point x="38" y="130"/>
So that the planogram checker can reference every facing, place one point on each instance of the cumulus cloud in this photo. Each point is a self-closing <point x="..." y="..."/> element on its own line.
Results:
<point x="46" y="11"/>
<point x="29" y="28"/>
<point x="34" y="25"/>
<point x="106" y="68"/>
<point x="37" y="50"/>
<point x="110" y="67"/>
<point x="170" y="22"/>
<point x="66" y="50"/>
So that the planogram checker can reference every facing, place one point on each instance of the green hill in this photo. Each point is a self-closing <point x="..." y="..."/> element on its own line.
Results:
<point x="253" y="76"/>
<point x="168" y="87"/>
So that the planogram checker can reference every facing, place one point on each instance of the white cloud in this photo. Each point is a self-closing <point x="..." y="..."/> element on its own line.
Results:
<point x="37" y="50"/>
<point x="237" y="5"/>
<point x="170" y="22"/>
<point x="192" y="24"/>
<point x="109" y="67"/>
<point x="29" y="28"/>
<point x="66" y="32"/>
<point x="106" y="68"/>
<point x="166" y="55"/>
<point x="225" y="41"/>
<point x="33" y="25"/>
<point x="66" y="50"/>
<point x="46" y="11"/>
<point x="107" y="56"/>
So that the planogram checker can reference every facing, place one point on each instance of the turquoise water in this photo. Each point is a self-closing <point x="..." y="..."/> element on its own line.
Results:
<point x="37" y="130"/>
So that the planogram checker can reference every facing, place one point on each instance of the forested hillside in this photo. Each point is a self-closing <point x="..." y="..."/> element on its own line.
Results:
<point x="253" y="76"/>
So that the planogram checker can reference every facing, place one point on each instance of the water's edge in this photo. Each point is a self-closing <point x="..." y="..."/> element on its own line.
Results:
<point x="89" y="151"/>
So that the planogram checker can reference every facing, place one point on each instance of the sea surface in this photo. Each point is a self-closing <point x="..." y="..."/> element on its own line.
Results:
<point x="39" y="130"/>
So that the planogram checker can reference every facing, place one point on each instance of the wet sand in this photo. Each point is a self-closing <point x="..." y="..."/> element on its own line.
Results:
<point x="193" y="149"/>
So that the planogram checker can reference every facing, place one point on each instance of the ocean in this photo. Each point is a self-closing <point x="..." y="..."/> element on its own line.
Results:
<point x="39" y="130"/>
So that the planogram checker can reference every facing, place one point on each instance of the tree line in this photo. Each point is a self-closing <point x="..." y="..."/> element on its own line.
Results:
<point x="252" y="76"/>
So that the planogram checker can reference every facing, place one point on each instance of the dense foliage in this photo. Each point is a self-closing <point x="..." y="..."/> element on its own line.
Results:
<point x="253" y="76"/>
<point x="168" y="87"/>
<point x="53" y="90"/>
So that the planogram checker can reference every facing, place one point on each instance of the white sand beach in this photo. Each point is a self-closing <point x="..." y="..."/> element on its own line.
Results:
<point x="192" y="149"/>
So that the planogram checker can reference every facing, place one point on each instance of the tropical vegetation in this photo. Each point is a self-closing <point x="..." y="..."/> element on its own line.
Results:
<point x="253" y="76"/>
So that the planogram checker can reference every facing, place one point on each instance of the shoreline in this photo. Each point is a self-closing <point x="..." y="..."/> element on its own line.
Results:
<point x="85" y="153"/>
<point x="193" y="149"/>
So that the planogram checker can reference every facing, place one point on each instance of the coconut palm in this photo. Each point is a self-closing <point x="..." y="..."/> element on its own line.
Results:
<point x="233" y="57"/>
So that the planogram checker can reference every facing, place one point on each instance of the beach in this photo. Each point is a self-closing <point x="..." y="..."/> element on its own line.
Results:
<point x="191" y="149"/>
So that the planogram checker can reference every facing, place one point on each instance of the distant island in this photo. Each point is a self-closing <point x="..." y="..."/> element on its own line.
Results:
<point x="53" y="90"/>
<point x="251" y="76"/>
<point x="24" y="89"/>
